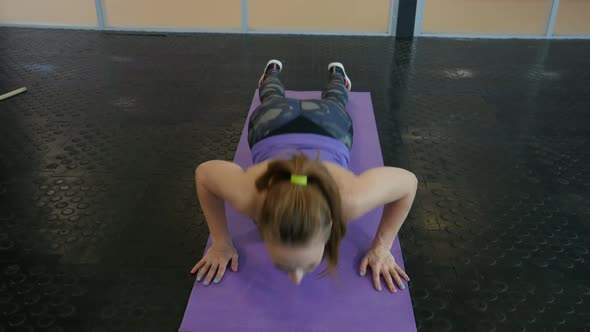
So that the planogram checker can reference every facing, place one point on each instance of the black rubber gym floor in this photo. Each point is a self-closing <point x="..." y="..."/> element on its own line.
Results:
<point x="99" y="223"/>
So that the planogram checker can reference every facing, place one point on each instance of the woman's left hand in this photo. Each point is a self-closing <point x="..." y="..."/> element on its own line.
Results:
<point x="383" y="264"/>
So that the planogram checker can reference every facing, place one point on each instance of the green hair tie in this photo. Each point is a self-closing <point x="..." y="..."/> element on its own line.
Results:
<point x="300" y="180"/>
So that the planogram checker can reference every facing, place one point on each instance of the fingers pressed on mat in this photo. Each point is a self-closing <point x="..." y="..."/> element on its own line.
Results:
<point x="377" y="279"/>
<point x="219" y="275"/>
<point x="389" y="281"/>
<point x="402" y="273"/>
<point x="397" y="279"/>
<point x="197" y="266"/>
<point x="234" y="263"/>
<point x="211" y="274"/>
<point x="363" y="267"/>
<point x="203" y="271"/>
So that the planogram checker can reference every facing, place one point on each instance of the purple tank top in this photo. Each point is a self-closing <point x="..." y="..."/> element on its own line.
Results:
<point x="285" y="145"/>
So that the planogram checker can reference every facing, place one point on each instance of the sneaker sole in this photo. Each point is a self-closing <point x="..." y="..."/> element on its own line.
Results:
<point x="340" y="65"/>
<point x="267" y="64"/>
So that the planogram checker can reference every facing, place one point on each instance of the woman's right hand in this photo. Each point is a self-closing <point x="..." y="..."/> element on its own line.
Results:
<point x="214" y="263"/>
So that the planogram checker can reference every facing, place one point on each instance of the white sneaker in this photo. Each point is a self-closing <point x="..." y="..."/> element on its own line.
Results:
<point x="273" y="64"/>
<point x="339" y="68"/>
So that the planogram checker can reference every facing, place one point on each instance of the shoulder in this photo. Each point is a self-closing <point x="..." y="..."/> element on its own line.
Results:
<point x="346" y="181"/>
<point x="256" y="198"/>
<point x="232" y="183"/>
<point x="255" y="171"/>
<point x="373" y="188"/>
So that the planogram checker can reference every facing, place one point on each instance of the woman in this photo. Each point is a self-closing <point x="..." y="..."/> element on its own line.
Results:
<point x="302" y="202"/>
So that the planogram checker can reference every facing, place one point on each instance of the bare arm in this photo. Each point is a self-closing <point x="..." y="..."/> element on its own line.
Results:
<point x="395" y="211"/>
<point x="218" y="181"/>
<point x="392" y="188"/>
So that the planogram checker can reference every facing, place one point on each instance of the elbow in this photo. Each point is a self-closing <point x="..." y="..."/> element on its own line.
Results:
<point x="198" y="171"/>
<point x="412" y="188"/>
<point x="201" y="171"/>
<point x="201" y="168"/>
<point x="413" y="182"/>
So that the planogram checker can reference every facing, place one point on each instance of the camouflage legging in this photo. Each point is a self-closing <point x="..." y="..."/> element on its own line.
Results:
<point x="280" y="115"/>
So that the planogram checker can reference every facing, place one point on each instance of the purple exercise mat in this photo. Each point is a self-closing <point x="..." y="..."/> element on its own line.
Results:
<point x="261" y="298"/>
